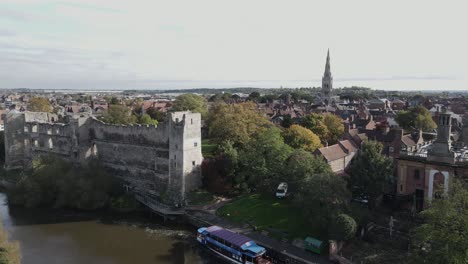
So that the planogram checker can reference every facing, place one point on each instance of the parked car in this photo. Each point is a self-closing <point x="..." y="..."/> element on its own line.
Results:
<point x="282" y="190"/>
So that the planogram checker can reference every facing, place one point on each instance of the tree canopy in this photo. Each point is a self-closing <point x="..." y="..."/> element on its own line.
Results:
<point x="416" y="118"/>
<point x="261" y="159"/>
<point x="39" y="104"/>
<point x="300" y="166"/>
<point x="370" y="170"/>
<point x="335" y="128"/>
<point x="443" y="236"/>
<point x="156" y="114"/>
<point x="190" y="102"/>
<point x="119" y="114"/>
<point x="329" y="128"/>
<point x="146" y="119"/>
<point x="297" y="136"/>
<point x="322" y="197"/>
<point x="236" y="122"/>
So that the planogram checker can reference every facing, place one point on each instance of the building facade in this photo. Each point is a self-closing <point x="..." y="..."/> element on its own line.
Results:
<point x="160" y="161"/>
<point x="425" y="173"/>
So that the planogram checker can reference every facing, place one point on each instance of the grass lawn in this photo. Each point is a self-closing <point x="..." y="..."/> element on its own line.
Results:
<point x="266" y="212"/>
<point x="208" y="148"/>
<point x="199" y="197"/>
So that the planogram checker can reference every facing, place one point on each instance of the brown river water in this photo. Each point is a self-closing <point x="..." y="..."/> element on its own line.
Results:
<point x="61" y="237"/>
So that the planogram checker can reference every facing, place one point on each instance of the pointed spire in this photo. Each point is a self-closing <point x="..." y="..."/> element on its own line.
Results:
<point x="327" y="65"/>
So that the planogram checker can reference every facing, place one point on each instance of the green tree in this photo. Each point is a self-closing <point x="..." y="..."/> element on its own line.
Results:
<point x="443" y="236"/>
<point x="335" y="128"/>
<point x="254" y="96"/>
<point x="190" y="102"/>
<point x="114" y="101"/>
<point x="370" y="171"/>
<point x="300" y="166"/>
<point x="314" y="122"/>
<point x="156" y="114"/>
<point x="416" y="118"/>
<point x="323" y="196"/>
<point x="261" y="160"/>
<point x="236" y="122"/>
<point x="343" y="227"/>
<point x="287" y="121"/>
<point x="300" y="137"/>
<point x="39" y="104"/>
<point x="55" y="183"/>
<point x="119" y="114"/>
<point x="145" y="119"/>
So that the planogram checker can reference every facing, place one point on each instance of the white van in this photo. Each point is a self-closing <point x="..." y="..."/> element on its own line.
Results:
<point x="282" y="190"/>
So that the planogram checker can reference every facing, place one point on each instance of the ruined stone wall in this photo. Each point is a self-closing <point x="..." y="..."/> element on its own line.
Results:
<point x="161" y="160"/>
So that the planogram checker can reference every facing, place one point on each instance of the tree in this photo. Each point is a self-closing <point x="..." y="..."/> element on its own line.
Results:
<point x="323" y="196"/>
<point x="315" y="123"/>
<point x="218" y="172"/>
<point x="416" y="118"/>
<point x="370" y="171"/>
<point x="287" y="121"/>
<point x="190" y="102"/>
<point x="254" y="96"/>
<point x="39" y="104"/>
<point x="300" y="166"/>
<point x="145" y="119"/>
<point x="335" y="128"/>
<point x="299" y="137"/>
<point x="235" y="122"/>
<point x="261" y="160"/>
<point x="114" y="101"/>
<point x="443" y="236"/>
<point x="343" y="227"/>
<point x="156" y="114"/>
<point x="119" y="114"/>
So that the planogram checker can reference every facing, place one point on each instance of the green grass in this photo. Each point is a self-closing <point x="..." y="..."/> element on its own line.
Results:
<point x="208" y="148"/>
<point x="267" y="212"/>
<point x="200" y="197"/>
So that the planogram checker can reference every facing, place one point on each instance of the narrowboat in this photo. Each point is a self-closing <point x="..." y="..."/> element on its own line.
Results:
<point x="231" y="246"/>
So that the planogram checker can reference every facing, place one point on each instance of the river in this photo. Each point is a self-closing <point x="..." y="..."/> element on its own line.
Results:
<point x="62" y="237"/>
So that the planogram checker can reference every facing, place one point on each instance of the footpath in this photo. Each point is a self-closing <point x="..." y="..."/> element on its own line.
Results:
<point x="281" y="252"/>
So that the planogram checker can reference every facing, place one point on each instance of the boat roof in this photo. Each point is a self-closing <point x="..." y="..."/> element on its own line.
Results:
<point x="313" y="241"/>
<point x="231" y="237"/>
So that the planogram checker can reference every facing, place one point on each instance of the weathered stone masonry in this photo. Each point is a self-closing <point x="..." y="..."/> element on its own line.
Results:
<point x="160" y="161"/>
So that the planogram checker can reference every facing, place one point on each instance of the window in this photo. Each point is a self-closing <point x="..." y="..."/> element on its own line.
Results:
<point x="191" y="121"/>
<point x="193" y="163"/>
<point x="416" y="174"/>
<point x="401" y="187"/>
<point x="176" y="146"/>
<point x="195" y="144"/>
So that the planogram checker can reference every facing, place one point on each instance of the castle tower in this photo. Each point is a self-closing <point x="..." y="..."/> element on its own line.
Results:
<point x="327" y="79"/>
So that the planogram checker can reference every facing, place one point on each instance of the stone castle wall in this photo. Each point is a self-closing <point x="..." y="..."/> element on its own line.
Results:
<point x="162" y="161"/>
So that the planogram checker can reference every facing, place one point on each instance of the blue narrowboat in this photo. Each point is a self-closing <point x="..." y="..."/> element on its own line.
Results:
<point x="234" y="247"/>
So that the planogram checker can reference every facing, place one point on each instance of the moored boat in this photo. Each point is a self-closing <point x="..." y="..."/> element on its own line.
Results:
<point x="229" y="245"/>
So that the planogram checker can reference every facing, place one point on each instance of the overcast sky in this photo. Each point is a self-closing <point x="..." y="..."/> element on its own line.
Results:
<point x="84" y="44"/>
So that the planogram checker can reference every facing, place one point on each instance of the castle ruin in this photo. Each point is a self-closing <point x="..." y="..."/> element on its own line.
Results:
<point x="162" y="162"/>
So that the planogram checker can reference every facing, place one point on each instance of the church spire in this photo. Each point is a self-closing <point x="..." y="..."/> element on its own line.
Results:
<point x="327" y="65"/>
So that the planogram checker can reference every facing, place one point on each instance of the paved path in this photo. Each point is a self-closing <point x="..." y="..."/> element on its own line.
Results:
<point x="276" y="247"/>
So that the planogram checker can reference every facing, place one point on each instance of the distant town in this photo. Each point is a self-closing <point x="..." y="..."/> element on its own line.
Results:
<point x="277" y="175"/>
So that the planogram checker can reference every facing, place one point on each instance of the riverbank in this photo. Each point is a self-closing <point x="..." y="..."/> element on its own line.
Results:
<point x="9" y="250"/>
